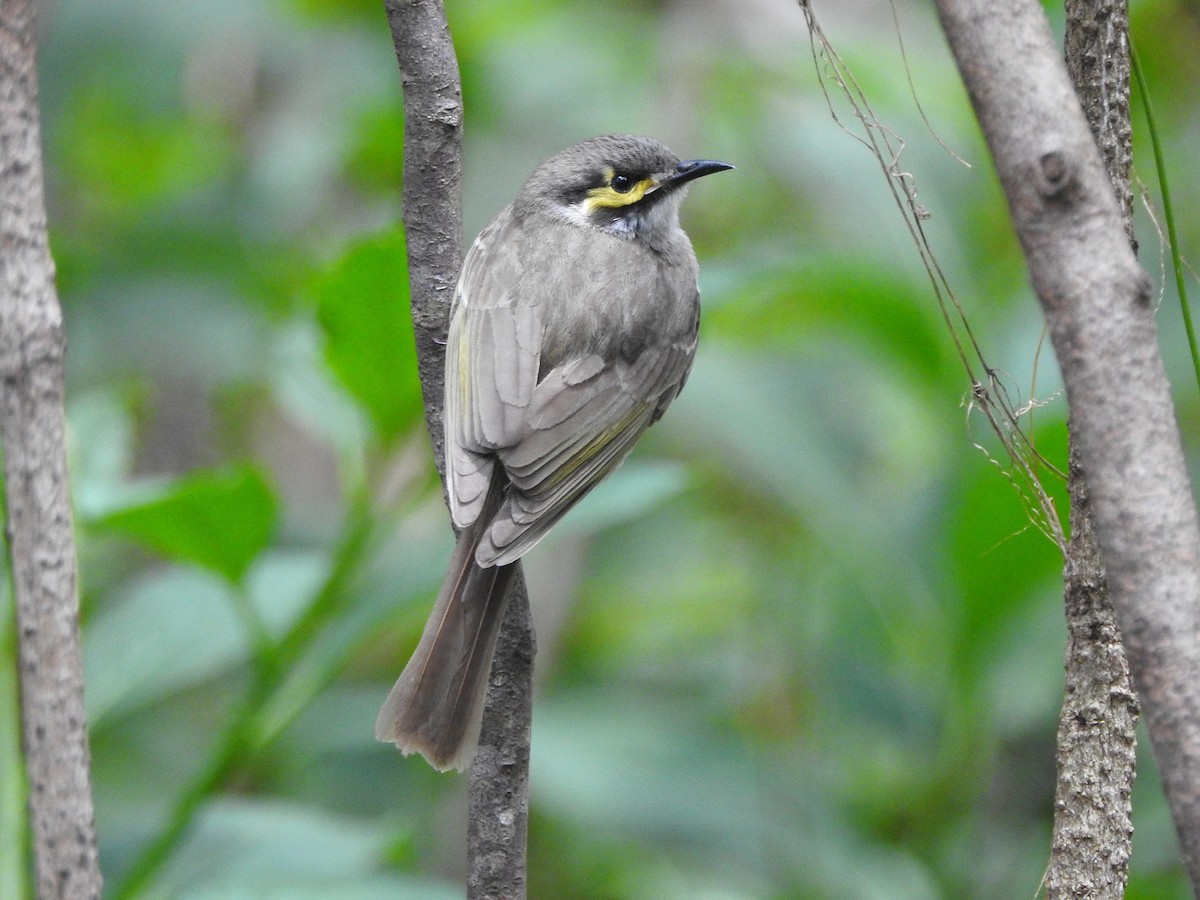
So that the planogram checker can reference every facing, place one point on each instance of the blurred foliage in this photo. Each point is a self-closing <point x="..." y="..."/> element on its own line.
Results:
<point x="362" y="305"/>
<point x="218" y="520"/>
<point x="805" y="644"/>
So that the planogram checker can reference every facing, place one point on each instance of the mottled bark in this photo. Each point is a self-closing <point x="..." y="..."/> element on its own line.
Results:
<point x="1097" y="302"/>
<point x="38" y="523"/>
<point x="1097" y="741"/>
<point x="1097" y="55"/>
<point x="433" y="121"/>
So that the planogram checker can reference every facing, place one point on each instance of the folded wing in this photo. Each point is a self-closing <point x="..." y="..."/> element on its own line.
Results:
<point x="557" y="433"/>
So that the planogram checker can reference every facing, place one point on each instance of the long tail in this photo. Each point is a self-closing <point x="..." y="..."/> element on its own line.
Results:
<point x="436" y="706"/>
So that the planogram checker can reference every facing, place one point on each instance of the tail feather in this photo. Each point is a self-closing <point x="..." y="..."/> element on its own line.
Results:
<point x="436" y="706"/>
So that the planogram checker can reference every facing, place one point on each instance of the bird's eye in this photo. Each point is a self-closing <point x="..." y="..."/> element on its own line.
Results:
<point x="622" y="184"/>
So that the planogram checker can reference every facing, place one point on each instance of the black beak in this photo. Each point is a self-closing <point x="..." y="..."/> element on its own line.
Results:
<point x="691" y="169"/>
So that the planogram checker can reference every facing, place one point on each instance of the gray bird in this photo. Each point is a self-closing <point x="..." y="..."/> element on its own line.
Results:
<point x="573" y="328"/>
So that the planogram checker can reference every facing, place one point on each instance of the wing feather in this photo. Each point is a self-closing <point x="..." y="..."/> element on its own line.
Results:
<point x="493" y="350"/>
<point x="563" y="455"/>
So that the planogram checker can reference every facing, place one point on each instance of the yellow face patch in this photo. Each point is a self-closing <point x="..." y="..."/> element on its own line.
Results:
<point x="608" y="196"/>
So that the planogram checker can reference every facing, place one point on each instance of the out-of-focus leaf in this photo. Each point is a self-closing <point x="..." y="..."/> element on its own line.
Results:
<point x="334" y="11"/>
<point x="174" y="628"/>
<point x="608" y="761"/>
<point x="376" y="161"/>
<point x="177" y="627"/>
<point x="100" y="437"/>
<point x="282" y="582"/>
<point x="130" y="155"/>
<point x="100" y="452"/>
<point x="277" y="849"/>
<point x="220" y="520"/>
<point x="999" y="559"/>
<point x="303" y="385"/>
<point x="787" y="305"/>
<point x="396" y="577"/>
<point x="362" y="303"/>
<point x="653" y="771"/>
<point x="632" y="491"/>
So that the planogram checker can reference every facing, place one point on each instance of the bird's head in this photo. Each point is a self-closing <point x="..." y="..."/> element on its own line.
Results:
<point x="620" y="183"/>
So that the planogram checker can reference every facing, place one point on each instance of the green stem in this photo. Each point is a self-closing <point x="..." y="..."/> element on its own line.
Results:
<point x="257" y="634"/>
<point x="242" y="737"/>
<point x="1172" y="238"/>
<point x="232" y="750"/>
<point x="333" y="594"/>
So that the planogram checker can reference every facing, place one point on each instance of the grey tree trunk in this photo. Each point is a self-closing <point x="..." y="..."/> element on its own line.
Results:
<point x="41" y="542"/>
<point x="1097" y="302"/>
<point x="1097" y="739"/>
<point x="433" y="122"/>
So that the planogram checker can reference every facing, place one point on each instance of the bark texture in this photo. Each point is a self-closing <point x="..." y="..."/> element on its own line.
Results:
<point x="1097" y="54"/>
<point x="1097" y="740"/>
<point x="40" y="535"/>
<point x="1097" y="302"/>
<point x="433" y="123"/>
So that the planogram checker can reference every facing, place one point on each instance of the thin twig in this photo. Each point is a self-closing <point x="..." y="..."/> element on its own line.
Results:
<point x="988" y="394"/>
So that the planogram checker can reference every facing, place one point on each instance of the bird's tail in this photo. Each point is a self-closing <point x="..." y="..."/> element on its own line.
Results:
<point x="436" y="706"/>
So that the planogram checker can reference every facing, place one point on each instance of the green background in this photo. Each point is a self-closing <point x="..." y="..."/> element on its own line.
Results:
<point x="805" y="643"/>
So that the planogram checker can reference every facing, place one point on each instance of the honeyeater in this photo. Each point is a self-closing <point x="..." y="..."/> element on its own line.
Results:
<point x="573" y="327"/>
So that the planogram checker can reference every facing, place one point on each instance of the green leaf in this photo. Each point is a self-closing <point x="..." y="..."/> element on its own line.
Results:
<point x="251" y="847"/>
<point x="362" y="303"/>
<point x="220" y="520"/>
<point x="163" y="633"/>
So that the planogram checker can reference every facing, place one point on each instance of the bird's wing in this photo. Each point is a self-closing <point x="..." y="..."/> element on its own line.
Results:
<point x="493" y="351"/>
<point x="584" y="417"/>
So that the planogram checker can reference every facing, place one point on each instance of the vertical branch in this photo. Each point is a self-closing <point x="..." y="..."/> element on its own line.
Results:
<point x="433" y="127"/>
<point x="1097" y="303"/>
<point x="41" y="541"/>
<point x="1097" y="740"/>
<point x="433" y="121"/>
<point x="499" y="803"/>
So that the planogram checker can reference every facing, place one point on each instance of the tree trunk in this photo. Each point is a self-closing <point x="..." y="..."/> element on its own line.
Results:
<point x="41" y="541"/>
<point x="1097" y="302"/>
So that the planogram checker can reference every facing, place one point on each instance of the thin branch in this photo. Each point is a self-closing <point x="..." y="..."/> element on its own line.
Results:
<point x="1097" y="302"/>
<point x="433" y="122"/>
<point x="989" y="395"/>
<point x="41" y="541"/>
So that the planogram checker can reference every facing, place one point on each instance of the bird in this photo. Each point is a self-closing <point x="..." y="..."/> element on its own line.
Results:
<point x="572" y="328"/>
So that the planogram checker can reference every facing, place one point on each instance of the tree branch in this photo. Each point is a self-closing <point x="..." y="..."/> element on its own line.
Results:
<point x="433" y="120"/>
<point x="1097" y="739"/>
<point x="41" y="541"/>
<point x="1097" y="302"/>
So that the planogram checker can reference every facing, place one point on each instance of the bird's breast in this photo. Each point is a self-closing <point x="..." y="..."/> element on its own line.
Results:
<point x="610" y="296"/>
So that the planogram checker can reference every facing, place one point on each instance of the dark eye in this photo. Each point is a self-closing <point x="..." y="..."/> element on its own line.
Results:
<point x="622" y="184"/>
